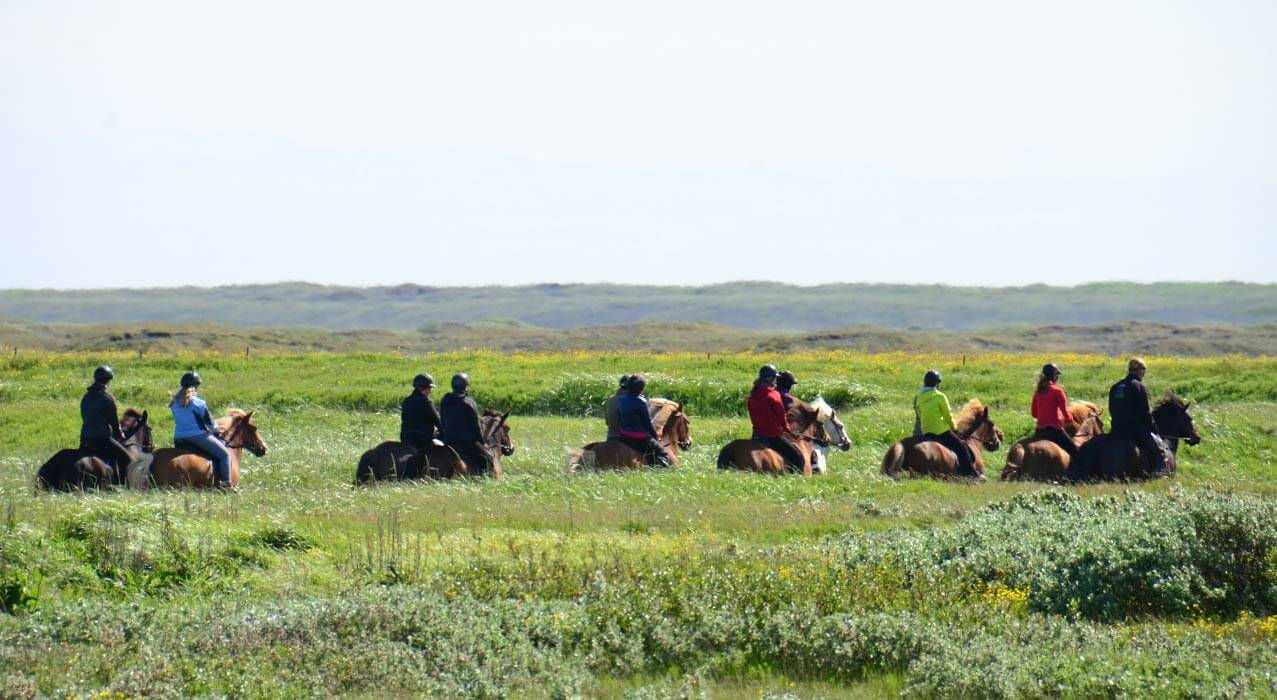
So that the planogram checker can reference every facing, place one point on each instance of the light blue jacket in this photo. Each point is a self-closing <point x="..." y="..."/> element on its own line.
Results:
<point x="191" y="420"/>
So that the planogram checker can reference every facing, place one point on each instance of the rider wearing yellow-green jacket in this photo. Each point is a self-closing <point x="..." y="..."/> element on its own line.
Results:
<point x="933" y="420"/>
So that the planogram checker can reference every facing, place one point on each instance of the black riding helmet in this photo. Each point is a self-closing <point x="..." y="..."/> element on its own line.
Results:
<point x="625" y="381"/>
<point x="637" y="383"/>
<point x="460" y="382"/>
<point x="931" y="378"/>
<point x="190" y="379"/>
<point x="1051" y="370"/>
<point x="767" y="372"/>
<point x="103" y="374"/>
<point x="785" y="380"/>
<point x="422" y="380"/>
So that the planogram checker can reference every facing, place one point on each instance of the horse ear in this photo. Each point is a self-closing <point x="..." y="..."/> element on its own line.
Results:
<point x="680" y="407"/>
<point x="249" y="416"/>
<point x="146" y="415"/>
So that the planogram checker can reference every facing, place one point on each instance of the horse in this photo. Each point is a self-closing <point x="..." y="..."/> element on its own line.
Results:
<point x="834" y="429"/>
<point x="1114" y="458"/>
<point x="1036" y="459"/>
<point x="673" y="430"/>
<point x="176" y="467"/>
<point x="79" y="470"/>
<point x="751" y="455"/>
<point x="396" y="461"/>
<point x="924" y="457"/>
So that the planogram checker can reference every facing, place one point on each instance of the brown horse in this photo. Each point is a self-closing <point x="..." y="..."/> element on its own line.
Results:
<point x="79" y="470"/>
<point x="174" y="467"/>
<point x="674" y="431"/>
<point x="751" y="455"/>
<point x="395" y="461"/>
<point x="1114" y="458"/>
<point x="921" y="457"/>
<point x="1032" y="459"/>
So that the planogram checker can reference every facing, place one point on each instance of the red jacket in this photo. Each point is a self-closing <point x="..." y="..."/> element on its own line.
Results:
<point x="767" y="412"/>
<point x="1051" y="407"/>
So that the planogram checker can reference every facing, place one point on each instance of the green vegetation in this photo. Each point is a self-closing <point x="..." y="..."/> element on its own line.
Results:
<point x="751" y="305"/>
<point x="648" y="584"/>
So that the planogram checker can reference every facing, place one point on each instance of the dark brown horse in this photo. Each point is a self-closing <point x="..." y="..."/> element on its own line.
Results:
<point x="922" y="457"/>
<point x="78" y="470"/>
<point x="674" y="431"/>
<point x="1114" y="458"/>
<point x="1033" y="459"/>
<point x="174" y="467"/>
<point x="751" y="455"/>
<point x="395" y="461"/>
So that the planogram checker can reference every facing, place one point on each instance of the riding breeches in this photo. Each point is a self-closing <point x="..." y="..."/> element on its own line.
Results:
<point x="653" y="453"/>
<point x="1057" y="436"/>
<point x="788" y="451"/>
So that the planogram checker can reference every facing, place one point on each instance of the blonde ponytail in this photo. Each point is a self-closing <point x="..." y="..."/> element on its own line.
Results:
<point x="184" y="395"/>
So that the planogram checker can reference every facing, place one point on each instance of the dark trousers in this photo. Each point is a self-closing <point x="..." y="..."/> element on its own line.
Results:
<point x="966" y="458"/>
<point x="1150" y="452"/>
<point x="417" y="441"/>
<point x="1057" y="436"/>
<point x="478" y="463"/>
<point x="108" y="449"/>
<point x="788" y="451"/>
<point x="651" y="450"/>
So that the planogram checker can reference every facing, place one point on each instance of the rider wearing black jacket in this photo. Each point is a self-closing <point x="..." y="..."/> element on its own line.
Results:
<point x="1128" y="407"/>
<point x="100" y="421"/>
<point x="461" y="431"/>
<point x="418" y="419"/>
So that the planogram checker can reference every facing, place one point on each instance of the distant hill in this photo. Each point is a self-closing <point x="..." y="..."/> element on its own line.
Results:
<point x="758" y="306"/>
<point x="1108" y="339"/>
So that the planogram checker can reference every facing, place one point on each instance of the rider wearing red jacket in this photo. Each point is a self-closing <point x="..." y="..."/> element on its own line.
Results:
<point x="767" y="414"/>
<point x="1051" y="409"/>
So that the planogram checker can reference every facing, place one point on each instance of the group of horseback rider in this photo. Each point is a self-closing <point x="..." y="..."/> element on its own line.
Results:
<point x="455" y="423"/>
<point x="103" y="433"/>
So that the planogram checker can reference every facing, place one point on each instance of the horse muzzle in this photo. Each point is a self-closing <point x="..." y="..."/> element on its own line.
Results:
<point x="507" y="450"/>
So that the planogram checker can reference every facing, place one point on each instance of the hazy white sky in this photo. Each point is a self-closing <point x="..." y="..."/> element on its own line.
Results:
<point x="982" y="142"/>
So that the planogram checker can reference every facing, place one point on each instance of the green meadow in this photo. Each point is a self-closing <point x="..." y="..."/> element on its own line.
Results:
<point x="682" y="583"/>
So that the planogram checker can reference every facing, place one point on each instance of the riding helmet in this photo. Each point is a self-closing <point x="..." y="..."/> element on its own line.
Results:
<point x="103" y="374"/>
<point x="637" y="383"/>
<point x="767" y="372"/>
<point x="785" y="379"/>
<point x="422" y="380"/>
<point x="460" y="382"/>
<point x="190" y="379"/>
<point x="931" y="378"/>
<point x="625" y="381"/>
<point x="1051" y="370"/>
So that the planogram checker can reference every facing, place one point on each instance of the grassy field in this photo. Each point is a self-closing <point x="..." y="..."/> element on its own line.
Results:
<point x="687" y="583"/>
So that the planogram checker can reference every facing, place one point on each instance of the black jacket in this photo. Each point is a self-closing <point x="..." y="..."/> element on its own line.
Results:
<point x="1128" y="408"/>
<point x="98" y="414"/>
<point x="460" y="416"/>
<point x="418" y="417"/>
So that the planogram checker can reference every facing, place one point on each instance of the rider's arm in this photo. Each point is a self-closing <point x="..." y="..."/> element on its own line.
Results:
<point x="946" y="414"/>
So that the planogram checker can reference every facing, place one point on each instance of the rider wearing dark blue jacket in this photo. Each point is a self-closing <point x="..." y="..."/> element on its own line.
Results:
<point x="1128" y="409"/>
<point x="637" y="430"/>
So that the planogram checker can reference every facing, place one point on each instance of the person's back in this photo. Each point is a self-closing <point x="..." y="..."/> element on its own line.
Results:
<point x="191" y="418"/>
<point x="1050" y="408"/>
<point x="99" y="419"/>
<point x="612" y="415"/>
<point x="418" y="419"/>
<point x="459" y="416"/>
<point x="634" y="416"/>
<point x="934" y="415"/>
<point x="767" y="412"/>
<point x="1128" y="408"/>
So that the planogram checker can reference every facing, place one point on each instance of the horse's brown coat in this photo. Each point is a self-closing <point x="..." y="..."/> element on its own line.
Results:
<point x="915" y="457"/>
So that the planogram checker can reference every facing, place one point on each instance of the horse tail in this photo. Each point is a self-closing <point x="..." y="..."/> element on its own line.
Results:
<point x="894" y="461"/>
<point x="725" y="457"/>
<point x="138" y="476"/>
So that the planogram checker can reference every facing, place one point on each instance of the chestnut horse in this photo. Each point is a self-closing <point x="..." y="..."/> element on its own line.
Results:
<point x="673" y="430"/>
<point x="78" y="470"/>
<point x="751" y="455"/>
<point x="395" y="461"/>
<point x="1033" y="459"/>
<point x="922" y="457"/>
<point x="175" y="467"/>
<point x="1114" y="458"/>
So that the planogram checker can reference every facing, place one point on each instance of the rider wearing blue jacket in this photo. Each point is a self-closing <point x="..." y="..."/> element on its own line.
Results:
<point x="192" y="424"/>
<point x="637" y="430"/>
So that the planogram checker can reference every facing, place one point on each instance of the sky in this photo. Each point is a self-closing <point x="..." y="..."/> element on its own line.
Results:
<point x="466" y="143"/>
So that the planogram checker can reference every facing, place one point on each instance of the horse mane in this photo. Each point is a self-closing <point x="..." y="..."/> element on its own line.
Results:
<point x="968" y="415"/>
<point x="823" y="409"/>
<point x="1172" y="400"/>
<point x="1081" y="410"/>
<point x="132" y="412"/>
<point x="665" y="409"/>
<point x="489" y="413"/>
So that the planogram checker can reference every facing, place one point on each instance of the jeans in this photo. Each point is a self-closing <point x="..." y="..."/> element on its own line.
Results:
<point x="216" y="450"/>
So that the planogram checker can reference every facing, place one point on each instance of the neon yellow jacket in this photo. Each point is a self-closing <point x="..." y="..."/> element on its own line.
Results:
<point x="932" y="411"/>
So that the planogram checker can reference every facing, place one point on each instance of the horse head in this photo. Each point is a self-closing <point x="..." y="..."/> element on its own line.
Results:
<point x="678" y="428"/>
<point x="989" y="434"/>
<point x="835" y="431"/>
<point x="241" y="431"/>
<point x="136" y="426"/>
<point x="1174" y="421"/>
<point x="496" y="432"/>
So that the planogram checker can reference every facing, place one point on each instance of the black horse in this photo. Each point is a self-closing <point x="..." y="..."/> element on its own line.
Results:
<point x="81" y="470"/>
<point x="1114" y="458"/>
